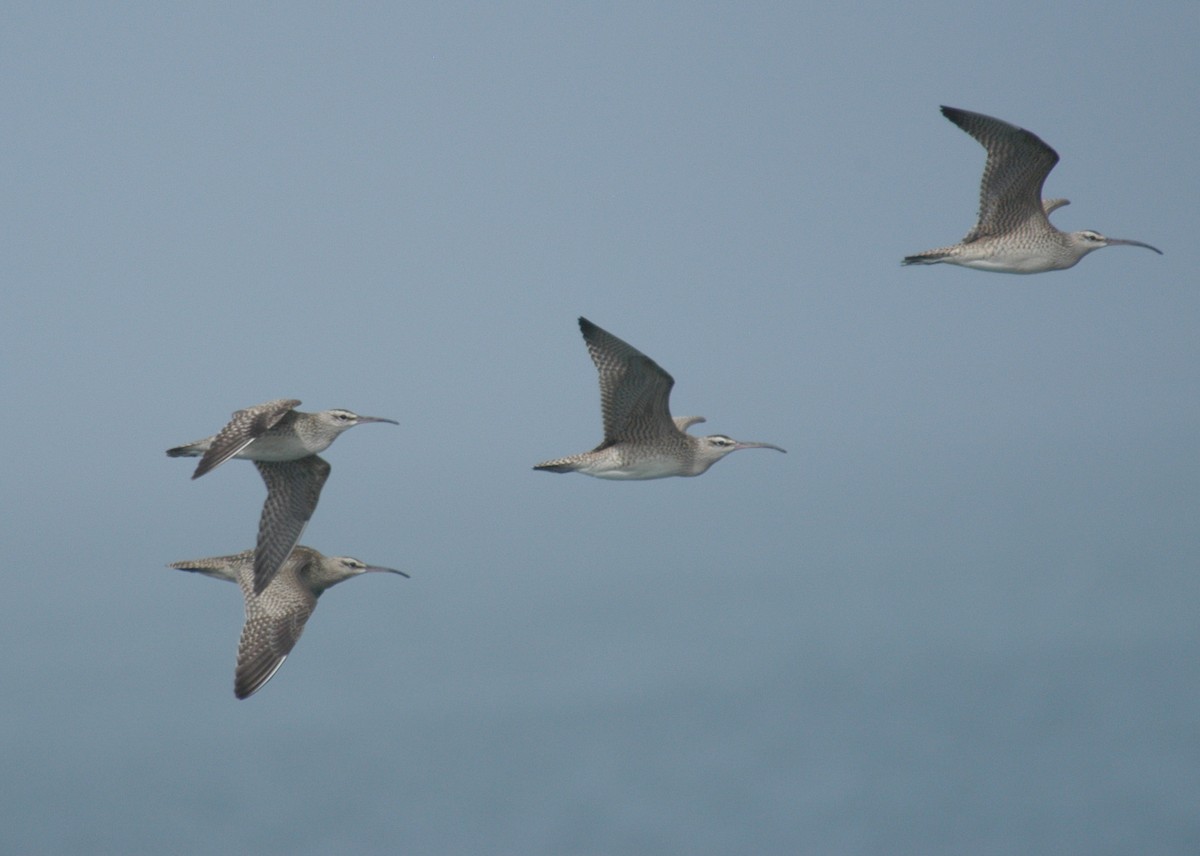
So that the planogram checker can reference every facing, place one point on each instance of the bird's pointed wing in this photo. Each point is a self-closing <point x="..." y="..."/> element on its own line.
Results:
<point x="244" y="428"/>
<point x="293" y="489"/>
<point x="634" y="390"/>
<point x="274" y="621"/>
<point x="1018" y="162"/>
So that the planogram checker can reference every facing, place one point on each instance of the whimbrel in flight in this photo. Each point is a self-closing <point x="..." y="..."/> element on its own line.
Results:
<point x="1014" y="234"/>
<point x="641" y="440"/>
<point x="275" y="617"/>
<point x="283" y="443"/>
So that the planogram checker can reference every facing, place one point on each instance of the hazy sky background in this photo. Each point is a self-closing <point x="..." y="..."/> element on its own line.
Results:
<point x="960" y="616"/>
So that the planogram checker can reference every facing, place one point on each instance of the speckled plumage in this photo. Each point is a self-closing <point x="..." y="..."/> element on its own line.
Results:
<point x="283" y="443"/>
<point x="641" y="439"/>
<point x="275" y="617"/>
<point x="1013" y="233"/>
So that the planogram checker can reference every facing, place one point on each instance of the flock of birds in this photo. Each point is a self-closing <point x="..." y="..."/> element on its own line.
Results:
<point x="281" y="579"/>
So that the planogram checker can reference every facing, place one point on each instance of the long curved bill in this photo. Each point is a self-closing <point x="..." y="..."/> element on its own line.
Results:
<point x="741" y="445"/>
<point x="377" y="419"/>
<point x="1130" y="243"/>
<point x="370" y="568"/>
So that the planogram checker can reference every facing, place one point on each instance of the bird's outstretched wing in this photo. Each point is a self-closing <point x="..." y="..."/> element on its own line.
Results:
<point x="1018" y="161"/>
<point x="293" y="489"/>
<point x="246" y="426"/>
<point x="634" y="390"/>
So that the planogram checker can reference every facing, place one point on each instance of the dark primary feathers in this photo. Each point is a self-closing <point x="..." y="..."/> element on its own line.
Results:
<point x="274" y="622"/>
<point x="1018" y="162"/>
<point x="634" y="390"/>
<point x="293" y="489"/>
<point x="245" y="426"/>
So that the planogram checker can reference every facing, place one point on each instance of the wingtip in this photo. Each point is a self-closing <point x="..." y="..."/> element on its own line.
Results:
<point x="252" y="676"/>
<point x="206" y="464"/>
<point x="955" y="114"/>
<point x="243" y="691"/>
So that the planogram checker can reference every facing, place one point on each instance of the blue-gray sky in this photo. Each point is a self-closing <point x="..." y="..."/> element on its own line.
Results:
<point x="958" y="617"/>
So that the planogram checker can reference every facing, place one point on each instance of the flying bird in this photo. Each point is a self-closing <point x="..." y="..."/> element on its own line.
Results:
<point x="283" y="443"/>
<point x="641" y="439"/>
<point x="275" y="617"/>
<point x="1014" y="233"/>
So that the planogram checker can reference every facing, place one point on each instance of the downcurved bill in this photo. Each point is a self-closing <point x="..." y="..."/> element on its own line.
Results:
<point x="1129" y="243"/>
<point x="741" y="445"/>
<point x="377" y="419"/>
<point x="369" y="568"/>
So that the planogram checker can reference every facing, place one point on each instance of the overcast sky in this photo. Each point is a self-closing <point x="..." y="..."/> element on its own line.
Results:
<point x="959" y="616"/>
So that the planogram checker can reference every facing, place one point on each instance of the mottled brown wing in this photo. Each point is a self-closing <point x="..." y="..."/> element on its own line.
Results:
<point x="634" y="390"/>
<point x="1018" y="161"/>
<point x="293" y="489"/>
<point x="274" y="621"/>
<point x="244" y="428"/>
